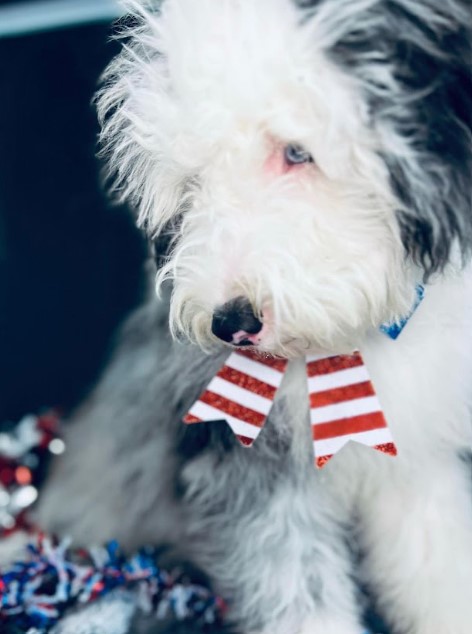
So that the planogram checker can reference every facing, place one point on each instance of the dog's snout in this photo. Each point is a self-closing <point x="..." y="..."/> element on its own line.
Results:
<point x="236" y="323"/>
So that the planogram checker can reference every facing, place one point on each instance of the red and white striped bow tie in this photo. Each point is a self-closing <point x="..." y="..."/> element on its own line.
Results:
<point x="343" y="404"/>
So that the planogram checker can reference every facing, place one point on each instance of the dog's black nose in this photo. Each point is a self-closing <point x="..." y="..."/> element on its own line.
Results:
<point x="235" y="322"/>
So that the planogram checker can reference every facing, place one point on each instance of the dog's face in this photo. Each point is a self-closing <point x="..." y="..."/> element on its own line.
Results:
<point x="280" y="147"/>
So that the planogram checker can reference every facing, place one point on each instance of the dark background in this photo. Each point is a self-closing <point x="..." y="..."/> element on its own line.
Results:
<point x="70" y="263"/>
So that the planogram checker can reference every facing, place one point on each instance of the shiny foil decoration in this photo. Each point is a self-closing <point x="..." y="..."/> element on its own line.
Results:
<point x="241" y="393"/>
<point x="25" y="450"/>
<point x="344" y="407"/>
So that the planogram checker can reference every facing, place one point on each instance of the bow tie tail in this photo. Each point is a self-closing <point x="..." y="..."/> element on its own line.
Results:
<point x="242" y="393"/>
<point x="344" y="407"/>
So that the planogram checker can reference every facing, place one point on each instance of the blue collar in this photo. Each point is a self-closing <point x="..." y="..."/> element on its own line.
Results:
<point x="394" y="328"/>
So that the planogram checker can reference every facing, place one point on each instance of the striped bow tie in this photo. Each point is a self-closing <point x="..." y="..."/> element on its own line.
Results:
<point x="343" y="404"/>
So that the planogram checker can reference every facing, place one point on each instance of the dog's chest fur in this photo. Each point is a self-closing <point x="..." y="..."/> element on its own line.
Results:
<point x="421" y="378"/>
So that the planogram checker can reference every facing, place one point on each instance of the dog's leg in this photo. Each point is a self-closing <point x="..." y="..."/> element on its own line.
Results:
<point x="272" y="546"/>
<point x="262" y="527"/>
<point x="417" y="536"/>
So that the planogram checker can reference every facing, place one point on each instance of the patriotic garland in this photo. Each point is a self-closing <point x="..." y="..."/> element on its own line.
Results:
<point x="25" y="451"/>
<point x="36" y="593"/>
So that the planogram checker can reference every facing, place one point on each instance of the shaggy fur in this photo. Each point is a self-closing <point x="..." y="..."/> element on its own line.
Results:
<point x="196" y="113"/>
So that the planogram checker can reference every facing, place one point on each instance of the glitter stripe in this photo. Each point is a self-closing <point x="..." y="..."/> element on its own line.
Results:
<point x="243" y="397"/>
<point x="225" y="406"/>
<point x="341" y="394"/>
<point x="322" y="460"/>
<point x="272" y="362"/>
<point x="255" y="369"/>
<point x="247" y="382"/>
<point x="190" y="418"/>
<point x="351" y="425"/>
<point x="333" y="364"/>
<point x="388" y="448"/>
<point x="208" y="413"/>
<point x="244" y="440"/>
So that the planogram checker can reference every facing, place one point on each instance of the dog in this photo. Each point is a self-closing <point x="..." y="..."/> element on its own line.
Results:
<point x="301" y="165"/>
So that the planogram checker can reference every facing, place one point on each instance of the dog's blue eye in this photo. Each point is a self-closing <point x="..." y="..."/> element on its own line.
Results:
<point x="296" y="154"/>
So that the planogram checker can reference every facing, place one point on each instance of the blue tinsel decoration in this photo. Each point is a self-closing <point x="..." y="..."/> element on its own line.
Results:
<point x="35" y="594"/>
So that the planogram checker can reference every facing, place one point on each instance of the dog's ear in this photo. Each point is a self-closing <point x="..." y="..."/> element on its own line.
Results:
<point x="164" y="242"/>
<point x="134" y="112"/>
<point x="431" y="174"/>
<point x="412" y="61"/>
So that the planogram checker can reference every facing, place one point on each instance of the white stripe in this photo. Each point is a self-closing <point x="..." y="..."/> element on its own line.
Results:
<point x="338" y="379"/>
<point x="371" y="438"/>
<point x="28" y="17"/>
<point x="346" y="409"/>
<point x="240" y="395"/>
<point x="317" y="357"/>
<point x="209" y="413"/>
<point x="253" y="368"/>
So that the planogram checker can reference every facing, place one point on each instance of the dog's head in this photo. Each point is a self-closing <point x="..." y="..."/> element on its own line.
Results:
<point x="308" y="161"/>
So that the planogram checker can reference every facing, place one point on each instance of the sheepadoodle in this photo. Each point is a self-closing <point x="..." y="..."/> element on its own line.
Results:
<point x="301" y="165"/>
